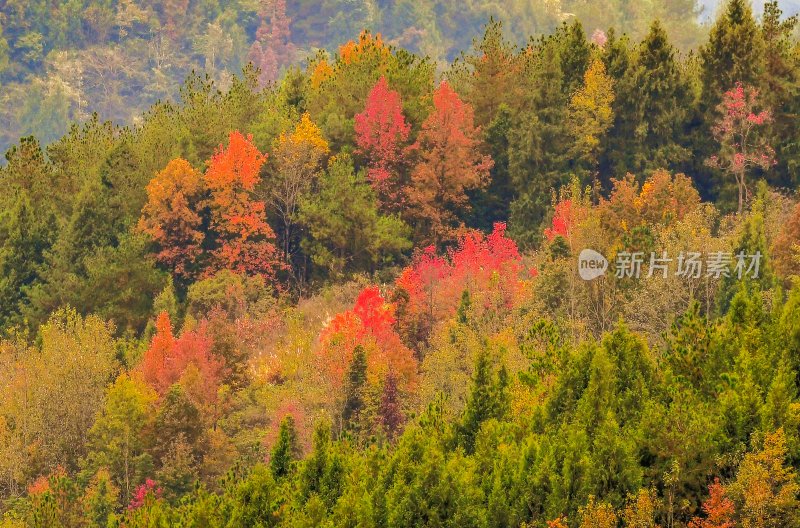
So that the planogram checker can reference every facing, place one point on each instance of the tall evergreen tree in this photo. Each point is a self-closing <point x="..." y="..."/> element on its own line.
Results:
<point x="492" y="203"/>
<point x="653" y="98"/>
<point x="354" y="389"/>
<point x="537" y="162"/>
<point x="781" y="90"/>
<point x="25" y="235"/>
<point x="487" y="399"/>
<point x="286" y="449"/>
<point x="734" y="53"/>
<point x="489" y="78"/>
<point x="575" y="55"/>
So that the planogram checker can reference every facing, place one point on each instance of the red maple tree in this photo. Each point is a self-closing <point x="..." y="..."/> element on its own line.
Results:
<point x="449" y="163"/>
<point x="370" y="324"/>
<point x="167" y="360"/>
<point x="148" y="491"/>
<point x="718" y="508"/>
<point x="561" y="221"/>
<point x="381" y="133"/>
<point x="488" y="266"/>
<point x="736" y="131"/>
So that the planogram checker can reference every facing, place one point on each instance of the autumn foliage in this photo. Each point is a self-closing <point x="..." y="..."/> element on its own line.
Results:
<point x="562" y="222"/>
<point x="370" y="324"/>
<point x="718" y="509"/>
<point x="239" y="237"/>
<point x="488" y="266"/>
<point x="169" y="360"/>
<point x="369" y="47"/>
<point x="449" y="163"/>
<point x="149" y="491"/>
<point x="737" y="131"/>
<point x="381" y="132"/>
<point x="662" y="199"/>
<point x="786" y="248"/>
<point x="172" y="217"/>
<point x="244" y="237"/>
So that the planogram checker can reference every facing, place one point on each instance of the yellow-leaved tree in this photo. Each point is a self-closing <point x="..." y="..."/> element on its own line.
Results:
<point x="297" y="159"/>
<point x="590" y="113"/>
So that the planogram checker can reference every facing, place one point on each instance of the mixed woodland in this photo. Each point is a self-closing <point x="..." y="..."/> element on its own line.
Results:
<point x="340" y="288"/>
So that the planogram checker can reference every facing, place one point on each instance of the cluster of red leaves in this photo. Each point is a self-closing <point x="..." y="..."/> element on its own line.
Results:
<point x="144" y="492"/>
<point x="718" y="508"/>
<point x="370" y="324"/>
<point x="381" y="133"/>
<point x="735" y="130"/>
<point x="489" y="267"/>
<point x="562" y="221"/>
<point x="169" y="359"/>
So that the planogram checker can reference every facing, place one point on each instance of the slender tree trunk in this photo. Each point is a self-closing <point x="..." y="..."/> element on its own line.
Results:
<point x="740" y="181"/>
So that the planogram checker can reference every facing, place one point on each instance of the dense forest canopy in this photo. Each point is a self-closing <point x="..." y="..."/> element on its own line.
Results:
<point x="339" y="277"/>
<point x="62" y="60"/>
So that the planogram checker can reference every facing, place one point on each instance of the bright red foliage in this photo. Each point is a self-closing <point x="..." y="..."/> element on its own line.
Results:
<point x="561" y="221"/>
<point x="488" y="266"/>
<point x="736" y="132"/>
<point x="381" y="132"/>
<point x="719" y="509"/>
<point x="369" y="324"/>
<point x="168" y="358"/>
<point x="449" y="163"/>
<point x="245" y="238"/>
<point x="144" y="492"/>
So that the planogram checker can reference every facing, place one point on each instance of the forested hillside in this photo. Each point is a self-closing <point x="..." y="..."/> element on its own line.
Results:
<point x="63" y="60"/>
<point x="353" y="289"/>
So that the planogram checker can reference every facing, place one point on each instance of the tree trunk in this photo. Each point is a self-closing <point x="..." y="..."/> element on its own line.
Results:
<point x="740" y="181"/>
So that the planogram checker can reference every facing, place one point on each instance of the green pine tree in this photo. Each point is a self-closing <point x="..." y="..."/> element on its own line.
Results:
<point x="354" y="390"/>
<point x="652" y="99"/>
<point x="734" y="53"/>
<point x="537" y="161"/>
<point x="487" y="399"/>
<point x="286" y="449"/>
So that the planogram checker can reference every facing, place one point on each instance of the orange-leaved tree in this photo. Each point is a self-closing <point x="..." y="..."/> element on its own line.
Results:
<point x="173" y="218"/>
<point x="244" y="240"/>
<point x="449" y="162"/>
<point x="187" y="358"/>
<point x="718" y="508"/>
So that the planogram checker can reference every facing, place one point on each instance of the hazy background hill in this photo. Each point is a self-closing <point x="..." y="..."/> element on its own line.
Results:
<point x="61" y="60"/>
